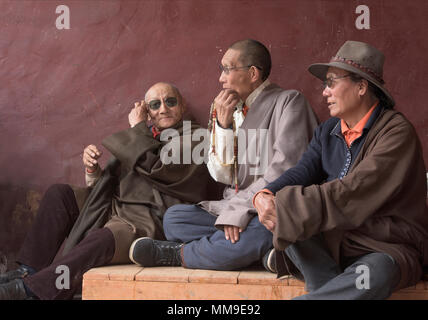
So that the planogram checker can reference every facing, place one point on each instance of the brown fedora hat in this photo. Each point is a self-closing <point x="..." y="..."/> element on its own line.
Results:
<point x="359" y="58"/>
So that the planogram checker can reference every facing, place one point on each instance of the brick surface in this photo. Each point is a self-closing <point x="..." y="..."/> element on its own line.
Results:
<point x="164" y="274"/>
<point x="175" y="283"/>
<point x="101" y="289"/>
<point x="211" y="276"/>
<point x="258" y="277"/>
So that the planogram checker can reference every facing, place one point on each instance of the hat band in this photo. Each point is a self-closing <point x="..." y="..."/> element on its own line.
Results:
<point x="358" y="66"/>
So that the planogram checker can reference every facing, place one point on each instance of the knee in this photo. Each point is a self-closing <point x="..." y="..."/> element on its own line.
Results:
<point x="382" y="272"/>
<point x="173" y="216"/>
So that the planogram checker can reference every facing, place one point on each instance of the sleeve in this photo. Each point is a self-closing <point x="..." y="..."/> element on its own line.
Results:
<point x="91" y="178"/>
<point x="220" y="163"/>
<point x="308" y="170"/>
<point x="373" y="182"/>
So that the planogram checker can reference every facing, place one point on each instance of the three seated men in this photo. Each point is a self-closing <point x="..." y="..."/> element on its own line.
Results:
<point x="351" y="195"/>
<point x="356" y="199"/>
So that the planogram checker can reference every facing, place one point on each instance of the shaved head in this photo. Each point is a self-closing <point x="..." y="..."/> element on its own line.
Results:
<point x="164" y="85"/>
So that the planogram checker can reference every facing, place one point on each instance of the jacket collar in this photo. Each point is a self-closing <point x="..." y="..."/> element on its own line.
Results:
<point x="253" y="95"/>
<point x="337" y="130"/>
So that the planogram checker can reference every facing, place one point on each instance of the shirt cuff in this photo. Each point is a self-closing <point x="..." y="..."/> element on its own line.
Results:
<point x="91" y="177"/>
<point x="261" y="191"/>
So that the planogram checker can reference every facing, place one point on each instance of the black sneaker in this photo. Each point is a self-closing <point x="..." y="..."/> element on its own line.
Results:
<point x="152" y="253"/>
<point x="19" y="273"/>
<point x="269" y="261"/>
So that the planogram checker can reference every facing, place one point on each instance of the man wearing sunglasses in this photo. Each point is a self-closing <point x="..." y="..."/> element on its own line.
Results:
<point x="127" y="200"/>
<point x="350" y="219"/>
<point x="226" y="234"/>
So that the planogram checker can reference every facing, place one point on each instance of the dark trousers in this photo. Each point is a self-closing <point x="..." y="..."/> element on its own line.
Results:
<point x="206" y="246"/>
<point x="57" y="213"/>
<point x="371" y="276"/>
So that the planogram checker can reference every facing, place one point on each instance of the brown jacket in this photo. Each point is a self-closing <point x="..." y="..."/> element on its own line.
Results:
<point x="380" y="206"/>
<point x="137" y="187"/>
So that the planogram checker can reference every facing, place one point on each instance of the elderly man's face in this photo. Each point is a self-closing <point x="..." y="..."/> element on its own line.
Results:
<point x="342" y="97"/>
<point x="237" y="79"/>
<point x="166" y="108"/>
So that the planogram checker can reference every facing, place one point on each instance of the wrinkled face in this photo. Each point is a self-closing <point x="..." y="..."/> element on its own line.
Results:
<point x="237" y="79"/>
<point x="163" y="111"/>
<point x="343" y="95"/>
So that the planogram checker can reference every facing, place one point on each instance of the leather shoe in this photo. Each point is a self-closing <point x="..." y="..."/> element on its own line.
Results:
<point x="13" y="290"/>
<point x="152" y="253"/>
<point x="19" y="273"/>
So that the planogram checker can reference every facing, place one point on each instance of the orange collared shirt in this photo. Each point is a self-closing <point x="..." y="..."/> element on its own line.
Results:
<point x="351" y="134"/>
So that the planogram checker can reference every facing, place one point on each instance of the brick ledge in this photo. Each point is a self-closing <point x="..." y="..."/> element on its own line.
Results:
<point x="132" y="282"/>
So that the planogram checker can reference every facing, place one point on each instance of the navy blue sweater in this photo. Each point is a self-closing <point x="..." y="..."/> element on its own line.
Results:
<point x="328" y="157"/>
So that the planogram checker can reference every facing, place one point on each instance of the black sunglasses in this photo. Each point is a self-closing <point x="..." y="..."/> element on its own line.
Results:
<point x="169" y="102"/>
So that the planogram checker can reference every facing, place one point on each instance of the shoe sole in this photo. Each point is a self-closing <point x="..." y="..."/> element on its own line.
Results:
<point x="131" y="249"/>
<point x="269" y="261"/>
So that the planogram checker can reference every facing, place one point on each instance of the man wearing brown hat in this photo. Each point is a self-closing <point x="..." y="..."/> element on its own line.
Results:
<point x="350" y="219"/>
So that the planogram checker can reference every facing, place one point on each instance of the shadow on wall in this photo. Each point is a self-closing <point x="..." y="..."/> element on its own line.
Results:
<point x="18" y="207"/>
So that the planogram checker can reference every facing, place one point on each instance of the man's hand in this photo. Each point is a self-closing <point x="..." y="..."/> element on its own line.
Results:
<point x="265" y="206"/>
<point x="232" y="233"/>
<point x="225" y="104"/>
<point x="138" y="113"/>
<point x="90" y="156"/>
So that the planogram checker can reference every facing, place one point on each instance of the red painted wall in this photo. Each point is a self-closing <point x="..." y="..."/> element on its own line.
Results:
<point x="64" y="89"/>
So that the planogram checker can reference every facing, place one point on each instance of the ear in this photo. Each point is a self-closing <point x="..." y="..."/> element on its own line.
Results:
<point x="255" y="74"/>
<point x="363" y="87"/>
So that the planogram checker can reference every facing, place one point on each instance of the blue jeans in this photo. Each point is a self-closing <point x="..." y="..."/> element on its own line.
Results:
<point x="206" y="246"/>
<point x="371" y="276"/>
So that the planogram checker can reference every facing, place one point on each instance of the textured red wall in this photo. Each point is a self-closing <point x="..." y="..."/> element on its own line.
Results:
<point x="64" y="89"/>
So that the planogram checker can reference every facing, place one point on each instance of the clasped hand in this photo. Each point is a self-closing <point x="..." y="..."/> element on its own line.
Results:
<point x="265" y="206"/>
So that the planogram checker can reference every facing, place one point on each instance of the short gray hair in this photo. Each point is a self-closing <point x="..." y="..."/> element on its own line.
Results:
<point x="254" y="53"/>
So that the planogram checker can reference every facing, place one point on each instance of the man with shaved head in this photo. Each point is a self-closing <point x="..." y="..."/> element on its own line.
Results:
<point x="258" y="130"/>
<point x="127" y="200"/>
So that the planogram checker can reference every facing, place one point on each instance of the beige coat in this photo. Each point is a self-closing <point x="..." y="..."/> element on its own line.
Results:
<point x="289" y="122"/>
